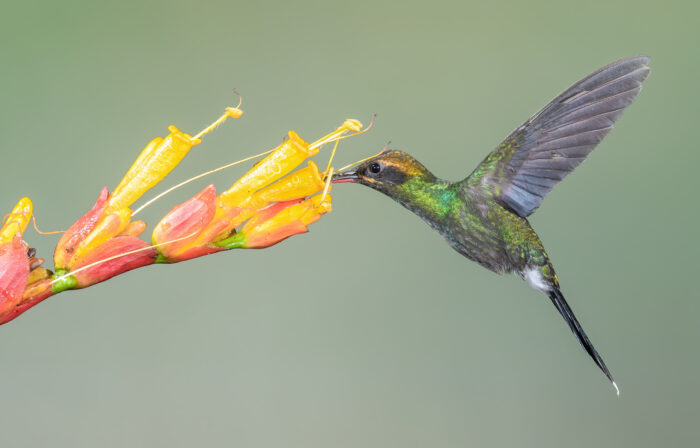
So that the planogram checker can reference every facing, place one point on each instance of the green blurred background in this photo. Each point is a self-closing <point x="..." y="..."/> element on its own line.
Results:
<point x="368" y="331"/>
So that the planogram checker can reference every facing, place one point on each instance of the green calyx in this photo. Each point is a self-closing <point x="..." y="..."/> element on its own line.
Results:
<point x="63" y="281"/>
<point x="161" y="259"/>
<point x="237" y="241"/>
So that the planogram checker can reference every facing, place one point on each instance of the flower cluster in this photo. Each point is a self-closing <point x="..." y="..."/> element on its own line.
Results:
<point x="268" y="204"/>
<point x="275" y="204"/>
<point x="107" y="231"/>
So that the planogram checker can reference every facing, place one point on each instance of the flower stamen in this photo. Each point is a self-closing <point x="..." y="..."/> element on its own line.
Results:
<point x="33" y="218"/>
<point x="230" y="112"/>
<point x="329" y="176"/>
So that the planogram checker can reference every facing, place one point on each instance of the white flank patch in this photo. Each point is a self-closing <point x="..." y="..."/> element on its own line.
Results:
<point x="534" y="277"/>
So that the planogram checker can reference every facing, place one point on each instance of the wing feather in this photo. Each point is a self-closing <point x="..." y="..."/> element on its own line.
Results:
<point x="547" y="147"/>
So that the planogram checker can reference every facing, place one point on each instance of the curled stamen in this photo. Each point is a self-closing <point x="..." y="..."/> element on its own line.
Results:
<point x="240" y="99"/>
<point x="53" y="232"/>
<point x="33" y="218"/>
<point x="230" y="112"/>
<point x="366" y="158"/>
<point x="369" y="126"/>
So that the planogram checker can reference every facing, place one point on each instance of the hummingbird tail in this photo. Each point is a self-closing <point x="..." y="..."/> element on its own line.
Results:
<point x="558" y="300"/>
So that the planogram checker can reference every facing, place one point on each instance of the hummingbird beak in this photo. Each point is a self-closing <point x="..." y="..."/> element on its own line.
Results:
<point x="344" y="177"/>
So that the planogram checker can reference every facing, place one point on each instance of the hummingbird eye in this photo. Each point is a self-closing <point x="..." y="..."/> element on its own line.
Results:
<point x="375" y="168"/>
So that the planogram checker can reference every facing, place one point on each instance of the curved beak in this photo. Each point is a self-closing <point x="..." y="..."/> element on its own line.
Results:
<point x="345" y="176"/>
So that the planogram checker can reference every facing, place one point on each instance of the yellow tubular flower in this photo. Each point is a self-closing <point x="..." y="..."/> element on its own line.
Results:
<point x="301" y="183"/>
<point x="155" y="162"/>
<point x="283" y="160"/>
<point x="17" y="220"/>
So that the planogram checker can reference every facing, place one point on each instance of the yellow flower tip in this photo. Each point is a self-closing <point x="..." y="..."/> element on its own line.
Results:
<point x="183" y="137"/>
<point x="234" y="112"/>
<point x="17" y="220"/>
<point x="313" y="168"/>
<point x="316" y="175"/>
<point x="352" y="125"/>
<point x="299" y="144"/>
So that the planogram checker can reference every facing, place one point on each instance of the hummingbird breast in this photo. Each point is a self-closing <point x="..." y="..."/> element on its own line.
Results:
<point x="484" y="231"/>
<point x="474" y="224"/>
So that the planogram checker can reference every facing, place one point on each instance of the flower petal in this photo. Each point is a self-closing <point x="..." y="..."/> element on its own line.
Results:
<point x="186" y="221"/>
<point x="282" y="220"/>
<point x="14" y="272"/>
<point x="107" y="227"/>
<point x="194" y="253"/>
<point x="268" y="213"/>
<point x="135" y="228"/>
<point x="271" y="235"/>
<point x="34" y="295"/>
<point x="114" y="247"/>
<point x="77" y="232"/>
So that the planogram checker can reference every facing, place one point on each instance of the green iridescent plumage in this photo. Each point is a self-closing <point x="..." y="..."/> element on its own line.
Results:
<point x="484" y="217"/>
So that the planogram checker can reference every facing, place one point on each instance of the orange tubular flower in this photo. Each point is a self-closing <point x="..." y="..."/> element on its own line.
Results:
<point x="184" y="225"/>
<point x="278" y="222"/>
<point x="300" y="184"/>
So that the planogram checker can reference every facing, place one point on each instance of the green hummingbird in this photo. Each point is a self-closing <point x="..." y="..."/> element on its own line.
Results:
<point x="484" y="217"/>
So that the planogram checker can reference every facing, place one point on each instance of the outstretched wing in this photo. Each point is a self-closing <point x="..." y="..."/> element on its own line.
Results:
<point x="548" y="146"/>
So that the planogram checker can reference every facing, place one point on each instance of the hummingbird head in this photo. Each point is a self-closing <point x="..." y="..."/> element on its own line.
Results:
<point x="388" y="172"/>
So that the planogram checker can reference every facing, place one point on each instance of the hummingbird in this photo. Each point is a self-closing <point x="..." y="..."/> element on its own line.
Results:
<point x="484" y="216"/>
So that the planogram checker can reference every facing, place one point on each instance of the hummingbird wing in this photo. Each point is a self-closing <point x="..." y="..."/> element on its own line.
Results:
<point x="543" y="150"/>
